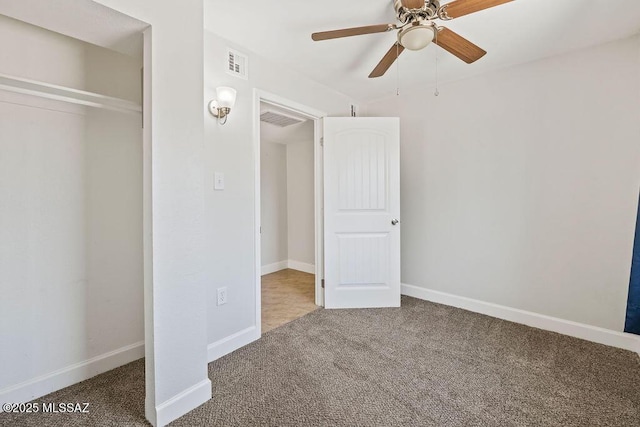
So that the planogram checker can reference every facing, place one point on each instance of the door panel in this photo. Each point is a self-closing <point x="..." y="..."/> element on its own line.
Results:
<point x="361" y="198"/>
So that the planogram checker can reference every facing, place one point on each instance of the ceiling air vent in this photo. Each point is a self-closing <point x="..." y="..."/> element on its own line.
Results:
<point x="279" y="119"/>
<point x="237" y="64"/>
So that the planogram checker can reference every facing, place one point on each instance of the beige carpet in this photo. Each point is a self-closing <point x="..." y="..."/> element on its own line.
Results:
<point x="420" y="365"/>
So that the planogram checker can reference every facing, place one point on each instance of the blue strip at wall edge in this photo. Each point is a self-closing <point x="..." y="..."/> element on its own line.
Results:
<point x="632" y="323"/>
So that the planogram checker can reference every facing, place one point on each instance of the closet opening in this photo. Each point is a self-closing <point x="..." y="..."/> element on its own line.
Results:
<point x="74" y="201"/>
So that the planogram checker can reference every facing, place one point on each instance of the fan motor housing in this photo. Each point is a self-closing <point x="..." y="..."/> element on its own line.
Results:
<point x="428" y="11"/>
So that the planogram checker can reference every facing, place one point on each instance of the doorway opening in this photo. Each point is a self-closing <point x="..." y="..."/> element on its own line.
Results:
<point x="288" y="216"/>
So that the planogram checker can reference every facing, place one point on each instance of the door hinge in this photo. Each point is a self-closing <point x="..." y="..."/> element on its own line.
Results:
<point x="322" y="141"/>
<point x="322" y="283"/>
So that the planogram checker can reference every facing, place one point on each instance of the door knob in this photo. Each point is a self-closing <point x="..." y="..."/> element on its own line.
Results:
<point x="394" y="222"/>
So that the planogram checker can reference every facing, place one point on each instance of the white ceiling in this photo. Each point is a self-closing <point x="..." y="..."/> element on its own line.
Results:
<point x="513" y="33"/>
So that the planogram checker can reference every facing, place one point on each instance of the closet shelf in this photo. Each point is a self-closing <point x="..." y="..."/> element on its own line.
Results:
<point x="66" y="94"/>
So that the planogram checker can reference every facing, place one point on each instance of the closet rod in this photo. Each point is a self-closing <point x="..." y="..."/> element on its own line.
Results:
<point x="66" y="94"/>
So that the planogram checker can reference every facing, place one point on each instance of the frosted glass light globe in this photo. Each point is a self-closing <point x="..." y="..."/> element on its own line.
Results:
<point x="416" y="37"/>
<point x="226" y="97"/>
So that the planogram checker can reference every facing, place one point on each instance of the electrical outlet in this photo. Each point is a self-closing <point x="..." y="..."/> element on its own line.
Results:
<point x="222" y="296"/>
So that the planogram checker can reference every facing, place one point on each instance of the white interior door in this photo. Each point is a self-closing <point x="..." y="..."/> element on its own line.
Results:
<point x="362" y="212"/>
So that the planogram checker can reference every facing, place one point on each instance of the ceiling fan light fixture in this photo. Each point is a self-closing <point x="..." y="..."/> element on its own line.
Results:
<point x="417" y="36"/>
<point x="417" y="29"/>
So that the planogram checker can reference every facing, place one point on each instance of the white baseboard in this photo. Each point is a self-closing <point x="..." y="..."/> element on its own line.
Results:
<point x="276" y="266"/>
<point x="566" y="327"/>
<point x="233" y="342"/>
<point x="182" y="403"/>
<point x="301" y="266"/>
<point x="292" y="264"/>
<point x="53" y="381"/>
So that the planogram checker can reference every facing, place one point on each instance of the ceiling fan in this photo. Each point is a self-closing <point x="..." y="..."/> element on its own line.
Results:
<point x="417" y="29"/>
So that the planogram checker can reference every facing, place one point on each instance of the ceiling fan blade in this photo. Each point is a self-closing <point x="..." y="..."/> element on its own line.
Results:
<point x="348" y="32"/>
<point x="413" y="4"/>
<point x="459" y="8"/>
<point x="459" y="46"/>
<point x="387" y="60"/>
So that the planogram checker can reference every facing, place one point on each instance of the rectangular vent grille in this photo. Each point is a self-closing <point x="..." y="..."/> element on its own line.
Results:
<point x="279" y="119"/>
<point x="237" y="64"/>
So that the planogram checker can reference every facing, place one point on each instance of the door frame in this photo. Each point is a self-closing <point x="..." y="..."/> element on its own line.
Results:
<point x="261" y="96"/>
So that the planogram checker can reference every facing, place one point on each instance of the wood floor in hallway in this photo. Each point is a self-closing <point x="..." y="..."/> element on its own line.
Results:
<point x="286" y="295"/>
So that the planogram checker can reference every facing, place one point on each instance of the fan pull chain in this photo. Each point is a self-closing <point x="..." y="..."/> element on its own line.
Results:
<point x="437" y="92"/>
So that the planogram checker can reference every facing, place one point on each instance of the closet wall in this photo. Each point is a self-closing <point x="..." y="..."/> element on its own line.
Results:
<point x="71" y="252"/>
<point x="273" y="203"/>
<point x="300" y="197"/>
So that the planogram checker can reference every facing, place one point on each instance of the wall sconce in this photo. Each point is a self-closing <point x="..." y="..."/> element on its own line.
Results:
<point x="221" y="107"/>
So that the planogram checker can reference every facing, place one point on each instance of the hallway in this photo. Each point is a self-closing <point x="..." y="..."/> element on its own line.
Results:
<point x="286" y="295"/>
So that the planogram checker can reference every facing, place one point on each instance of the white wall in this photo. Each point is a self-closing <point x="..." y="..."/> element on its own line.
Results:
<point x="173" y="181"/>
<point x="176" y="311"/>
<point x="70" y="217"/>
<point x="113" y="203"/>
<point x="300" y="198"/>
<point x="125" y="78"/>
<point x="230" y="213"/>
<point x="41" y="55"/>
<point x="113" y="235"/>
<point x="42" y="238"/>
<point x="520" y="187"/>
<point x="273" y="201"/>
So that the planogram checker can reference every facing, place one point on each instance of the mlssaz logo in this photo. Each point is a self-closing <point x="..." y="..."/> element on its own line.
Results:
<point x="62" y="408"/>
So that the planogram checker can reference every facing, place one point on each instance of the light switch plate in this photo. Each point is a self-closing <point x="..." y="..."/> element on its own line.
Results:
<point x="219" y="181"/>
